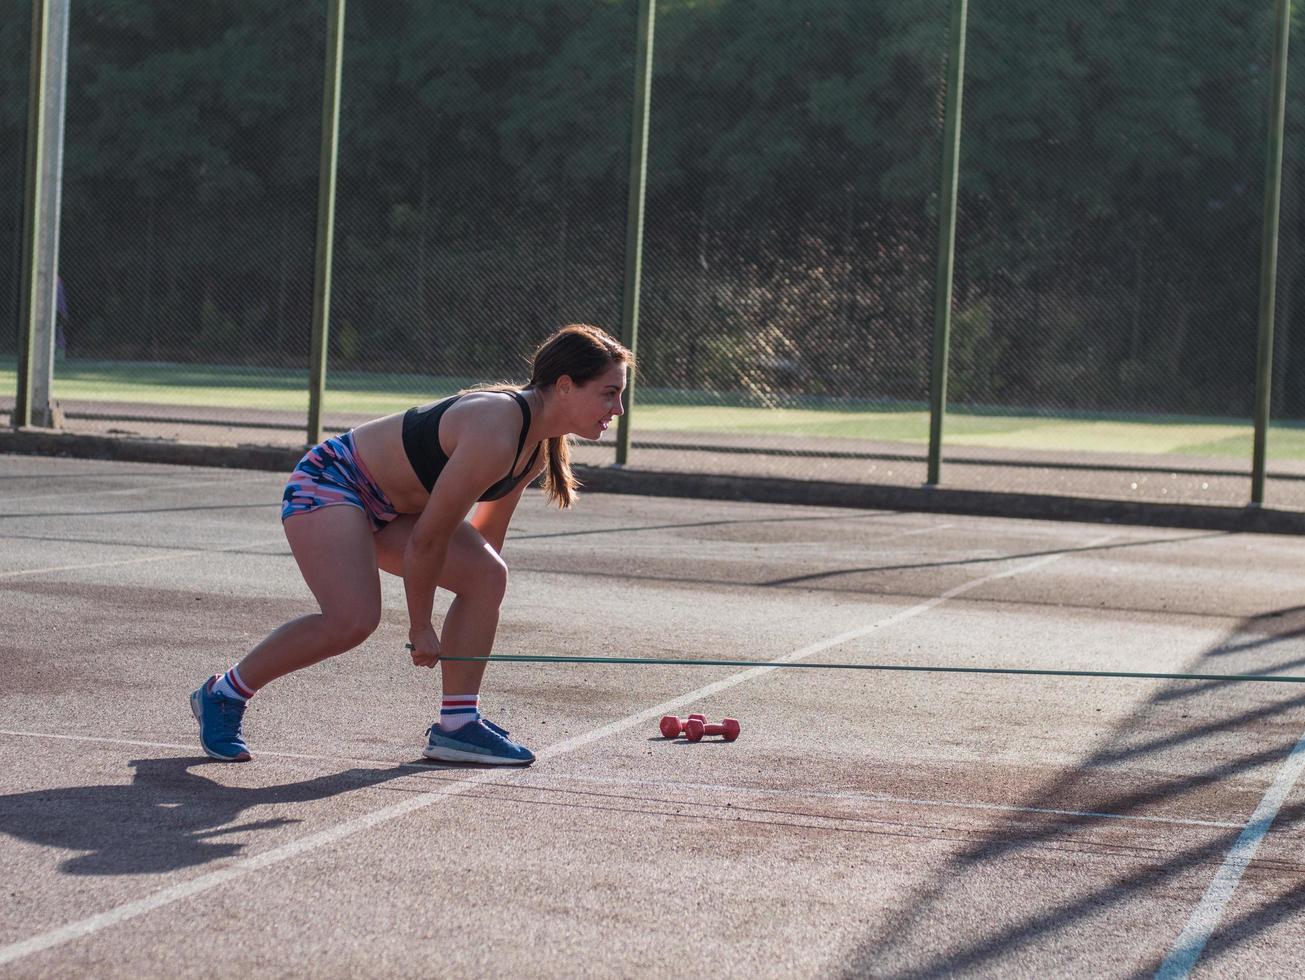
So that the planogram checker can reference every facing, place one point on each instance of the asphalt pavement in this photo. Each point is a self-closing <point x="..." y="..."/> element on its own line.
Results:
<point x="865" y="823"/>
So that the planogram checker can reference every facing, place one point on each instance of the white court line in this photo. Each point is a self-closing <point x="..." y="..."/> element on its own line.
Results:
<point x="141" y="561"/>
<point x="211" y="879"/>
<point x="536" y="777"/>
<point x="1191" y="941"/>
<point x="925" y="530"/>
<point x="918" y="530"/>
<point x="7" y="499"/>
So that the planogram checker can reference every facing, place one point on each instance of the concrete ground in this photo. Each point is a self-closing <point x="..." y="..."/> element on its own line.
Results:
<point x="866" y="823"/>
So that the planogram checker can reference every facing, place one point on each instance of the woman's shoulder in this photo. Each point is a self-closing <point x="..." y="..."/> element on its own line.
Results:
<point x="496" y="396"/>
<point x="461" y="401"/>
<point x="487" y="404"/>
<point x="491" y="418"/>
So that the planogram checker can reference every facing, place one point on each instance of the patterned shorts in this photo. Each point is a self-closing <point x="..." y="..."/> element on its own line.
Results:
<point x="331" y="474"/>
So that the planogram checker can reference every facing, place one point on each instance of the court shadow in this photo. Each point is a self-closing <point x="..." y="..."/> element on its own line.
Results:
<point x="690" y="525"/>
<point x="1284" y="910"/>
<point x="1266" y="629"/>
<point x="168" y="817"/>
<point x="834" y="573"/>
<point x="1267" y="727"/>
<point x="139" y="510"/>
<point x="984" y="956"/>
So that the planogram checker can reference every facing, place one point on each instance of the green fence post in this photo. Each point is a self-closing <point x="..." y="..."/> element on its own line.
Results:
<point x="643" y="61"/>
<point x="34" y="230"/>
<point x="325" y="217"/>
<point x="942" y="295"/>
<point x="1269" y="247"/>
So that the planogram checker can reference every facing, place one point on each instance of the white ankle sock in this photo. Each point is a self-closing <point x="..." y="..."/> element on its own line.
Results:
<point x="230" y="685"/>
<point x="457" y="710"/>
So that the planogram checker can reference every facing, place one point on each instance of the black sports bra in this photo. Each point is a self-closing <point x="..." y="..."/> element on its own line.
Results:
<point x="421" y="441"/>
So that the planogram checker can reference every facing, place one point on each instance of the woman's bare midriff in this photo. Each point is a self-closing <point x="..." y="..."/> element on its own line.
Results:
<point x="379" y="444"/>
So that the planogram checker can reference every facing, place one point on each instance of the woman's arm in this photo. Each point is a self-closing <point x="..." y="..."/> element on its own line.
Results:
<point x="488" y="451"/>
<point x="493" y="516"/>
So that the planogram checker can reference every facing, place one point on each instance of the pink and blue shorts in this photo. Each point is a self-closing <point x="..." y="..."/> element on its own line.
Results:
<point x="330" y="474"/>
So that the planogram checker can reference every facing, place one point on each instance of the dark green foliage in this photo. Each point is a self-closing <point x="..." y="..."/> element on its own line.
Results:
<point x="15" y="41"/>
<point x="1111" y="185"/>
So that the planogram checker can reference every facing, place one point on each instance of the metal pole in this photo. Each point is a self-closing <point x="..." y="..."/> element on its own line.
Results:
<point x="45" y="409"/>
<point x="942" y="296"/>
<point x="1269" y="247"/>
<point x="643" y="62"/>
<point x="38" y="307"/>
<point x="325" y="217"/>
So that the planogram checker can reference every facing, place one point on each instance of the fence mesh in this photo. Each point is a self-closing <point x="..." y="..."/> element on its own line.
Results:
<point x="15" y="48"/>
<point x="1112" y="190"/>
<point x="789" y="248"/>
<point x="482" y="192"/>
<point x="1108" y="245"/>
<point x="188" y="210"/>
<point x="1286" y="437"/>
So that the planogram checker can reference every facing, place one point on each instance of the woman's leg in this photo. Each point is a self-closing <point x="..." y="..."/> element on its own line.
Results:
<point x="333" y="546"/>
<point x="477" y="577"/>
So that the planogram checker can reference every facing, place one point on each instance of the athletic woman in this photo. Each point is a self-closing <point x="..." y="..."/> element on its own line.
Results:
<point x="397" y="494"/>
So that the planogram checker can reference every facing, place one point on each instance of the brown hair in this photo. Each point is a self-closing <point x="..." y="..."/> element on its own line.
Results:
<point x="582" y="352"/>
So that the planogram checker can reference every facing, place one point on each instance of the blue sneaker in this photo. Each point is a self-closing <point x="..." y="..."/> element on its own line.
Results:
<point x="219" y="723"/>
<point x="480" y="741"/>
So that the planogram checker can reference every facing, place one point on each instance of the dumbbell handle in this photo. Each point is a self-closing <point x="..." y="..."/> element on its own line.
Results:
<point x="728" y="728"/>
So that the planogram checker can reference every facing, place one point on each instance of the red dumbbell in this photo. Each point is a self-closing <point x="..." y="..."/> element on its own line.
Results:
<point x="695" y="729"/>
<point x="673" y="727"/>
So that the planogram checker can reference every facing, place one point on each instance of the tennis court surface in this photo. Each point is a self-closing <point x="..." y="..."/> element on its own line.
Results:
<point x="865" y="823"/>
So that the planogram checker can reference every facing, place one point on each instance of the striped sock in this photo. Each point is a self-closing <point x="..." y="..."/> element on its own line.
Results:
<point x="457" y="710"/>
<point x="230" y="685"/>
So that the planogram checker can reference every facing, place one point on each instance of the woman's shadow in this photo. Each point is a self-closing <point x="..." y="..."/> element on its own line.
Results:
<point x="167" y="817"/>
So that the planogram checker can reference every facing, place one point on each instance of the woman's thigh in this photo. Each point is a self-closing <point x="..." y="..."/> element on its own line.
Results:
<point x="333" y="546"/>
<point x="471" y="562"/>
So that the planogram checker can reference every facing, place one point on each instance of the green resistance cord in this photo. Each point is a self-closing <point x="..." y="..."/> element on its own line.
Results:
<point x="1027" y="671"/>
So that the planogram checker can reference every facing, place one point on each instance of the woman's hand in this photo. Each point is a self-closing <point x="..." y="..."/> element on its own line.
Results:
<point x="425" y="646"/>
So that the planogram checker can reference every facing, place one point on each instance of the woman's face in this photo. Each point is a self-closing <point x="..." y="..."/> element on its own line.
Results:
<point x="592" y="405"/>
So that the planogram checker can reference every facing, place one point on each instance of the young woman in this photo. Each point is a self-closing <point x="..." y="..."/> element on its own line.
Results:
<point x="396" y="494"/>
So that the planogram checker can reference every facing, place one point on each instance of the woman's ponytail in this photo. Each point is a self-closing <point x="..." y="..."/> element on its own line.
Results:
<point x="583" y="353"/>
<point x="560" y="484"/>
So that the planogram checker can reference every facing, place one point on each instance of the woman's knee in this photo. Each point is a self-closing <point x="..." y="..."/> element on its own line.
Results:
<point x="487" y="579"/>
<point x="350" y="627"/>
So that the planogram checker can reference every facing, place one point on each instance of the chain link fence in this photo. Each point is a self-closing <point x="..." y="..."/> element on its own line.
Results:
<point x="1285" y="437"/>
<point x="15" y="44"/>
<point x="1108" y="243"/>
<point x="1111" y="207"/>
<point x="789" y="245"/>
<point x="483" y="183"/>
<point x="190" y="187"/>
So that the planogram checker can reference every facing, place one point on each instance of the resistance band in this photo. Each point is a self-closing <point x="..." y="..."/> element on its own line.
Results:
<point x="1138" y="675"/>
